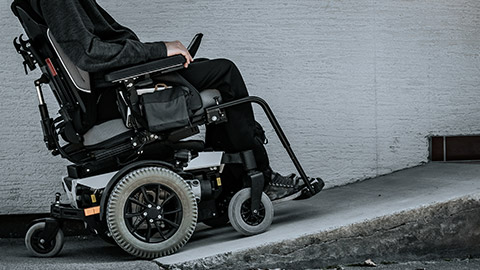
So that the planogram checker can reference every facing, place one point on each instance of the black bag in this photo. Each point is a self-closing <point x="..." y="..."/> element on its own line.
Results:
<point x="167" y="108"/>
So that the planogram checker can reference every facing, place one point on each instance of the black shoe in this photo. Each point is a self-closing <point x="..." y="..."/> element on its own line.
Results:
<point x="284" y="188"/>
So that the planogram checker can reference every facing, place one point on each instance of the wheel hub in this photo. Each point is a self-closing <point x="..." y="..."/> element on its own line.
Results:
<point x="153" y="213"/>
<point x="252" y="218"/>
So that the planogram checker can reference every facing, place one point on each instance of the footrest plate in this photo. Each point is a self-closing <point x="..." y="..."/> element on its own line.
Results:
<point x="317" y="185"/>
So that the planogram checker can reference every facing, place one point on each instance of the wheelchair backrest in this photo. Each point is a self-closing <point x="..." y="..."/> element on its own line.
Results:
<point x="65" y="79"/>
<point x="80" y="78"/>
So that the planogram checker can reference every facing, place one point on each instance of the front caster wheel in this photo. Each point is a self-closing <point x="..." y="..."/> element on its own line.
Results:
<point x="38" y="246"/>
<point x="242" y="218"/>
<point x="151" y="212"/>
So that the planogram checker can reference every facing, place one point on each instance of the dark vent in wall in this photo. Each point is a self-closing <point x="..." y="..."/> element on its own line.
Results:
<point x="450" y="148"/>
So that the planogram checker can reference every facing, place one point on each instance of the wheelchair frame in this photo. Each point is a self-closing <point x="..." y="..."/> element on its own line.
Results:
<point x="87" y="164"/>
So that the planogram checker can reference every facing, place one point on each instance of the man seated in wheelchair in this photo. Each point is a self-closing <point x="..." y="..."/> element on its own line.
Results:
<point x="96" y="43"/>
<point x="151" y="89"/>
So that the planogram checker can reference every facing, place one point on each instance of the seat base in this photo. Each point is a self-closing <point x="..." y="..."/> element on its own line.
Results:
<point x="113" y="129"/>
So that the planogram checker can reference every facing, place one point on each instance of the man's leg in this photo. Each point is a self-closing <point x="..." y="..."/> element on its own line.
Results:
<point x="238" y="133"/>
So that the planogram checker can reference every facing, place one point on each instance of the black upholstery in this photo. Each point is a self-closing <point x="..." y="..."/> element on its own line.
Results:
<point x="79" y="77"/>
<point x="170" y="63"/>
<point x="32" y="7"/>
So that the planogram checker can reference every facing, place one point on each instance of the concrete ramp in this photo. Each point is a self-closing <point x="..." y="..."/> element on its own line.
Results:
<point x="428" y="211"/>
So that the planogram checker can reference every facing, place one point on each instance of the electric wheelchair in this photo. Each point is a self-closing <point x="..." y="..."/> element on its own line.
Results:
<point x="139" y="187"/>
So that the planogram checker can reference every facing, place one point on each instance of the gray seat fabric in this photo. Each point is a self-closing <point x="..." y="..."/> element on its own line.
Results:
<point x="110" y="129"/>
<point x="208" y="99"/>
<point x="79" y="77"/>
<point x="104" y="132"/>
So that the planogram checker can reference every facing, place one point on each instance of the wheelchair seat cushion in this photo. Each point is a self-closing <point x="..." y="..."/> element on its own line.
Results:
<point x="105" y="131"/>
<point x="208" y="99"/>
<point x="116" y="128"/>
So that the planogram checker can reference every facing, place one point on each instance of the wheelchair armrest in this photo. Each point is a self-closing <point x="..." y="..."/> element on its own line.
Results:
<point x="163" y="65"/>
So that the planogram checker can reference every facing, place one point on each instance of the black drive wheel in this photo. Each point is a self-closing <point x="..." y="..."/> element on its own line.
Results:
<point x="38" y="247"/>
<point x="242" y="218"/>
<point x="151" y="212"/>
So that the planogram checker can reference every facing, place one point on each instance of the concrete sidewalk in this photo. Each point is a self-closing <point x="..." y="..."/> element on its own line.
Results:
<point x="403" y="191"/>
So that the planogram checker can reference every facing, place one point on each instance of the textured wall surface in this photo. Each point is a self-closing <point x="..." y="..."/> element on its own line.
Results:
<point x="357" y="85"/>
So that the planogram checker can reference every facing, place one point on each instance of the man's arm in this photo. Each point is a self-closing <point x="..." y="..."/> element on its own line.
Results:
<point x="176" y="47"/>
<point x="173" y="47"/>
<point x="73" y="29"/>
<point x="113" y="22"/>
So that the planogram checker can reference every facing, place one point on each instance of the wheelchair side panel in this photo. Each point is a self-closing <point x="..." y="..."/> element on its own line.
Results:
<point x="205" y="160"/>
<point x="98" y="181"/>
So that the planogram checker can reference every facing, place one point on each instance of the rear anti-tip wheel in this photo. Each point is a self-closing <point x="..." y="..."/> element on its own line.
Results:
<point x="38" y="246"/>
<point x="151" y="212"/>
<point x="242" y="218"/>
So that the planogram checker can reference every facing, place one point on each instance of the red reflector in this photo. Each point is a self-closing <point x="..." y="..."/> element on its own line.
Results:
<point x="51" y="67"/>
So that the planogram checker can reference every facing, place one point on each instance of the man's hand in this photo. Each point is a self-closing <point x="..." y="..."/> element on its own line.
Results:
<point x="176" y="47"/>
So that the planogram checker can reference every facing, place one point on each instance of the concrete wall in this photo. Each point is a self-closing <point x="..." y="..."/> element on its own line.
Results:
<point x="357" y="85"/>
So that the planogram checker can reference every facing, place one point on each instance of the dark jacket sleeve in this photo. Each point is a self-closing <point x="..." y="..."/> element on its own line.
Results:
<point x="113" y="22"/>
<point x="73" y="29"/>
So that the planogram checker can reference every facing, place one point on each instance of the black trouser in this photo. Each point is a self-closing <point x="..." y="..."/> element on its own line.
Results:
<point x="238" y="134"/>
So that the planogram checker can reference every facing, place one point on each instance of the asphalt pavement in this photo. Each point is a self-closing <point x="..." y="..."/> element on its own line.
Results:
<point x="92" y="253"/>
<point x="83" y="252"/>
<point x="332" y="209"/>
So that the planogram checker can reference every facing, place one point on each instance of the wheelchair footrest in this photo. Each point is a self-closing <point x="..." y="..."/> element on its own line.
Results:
<point x="317" y="185"/>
